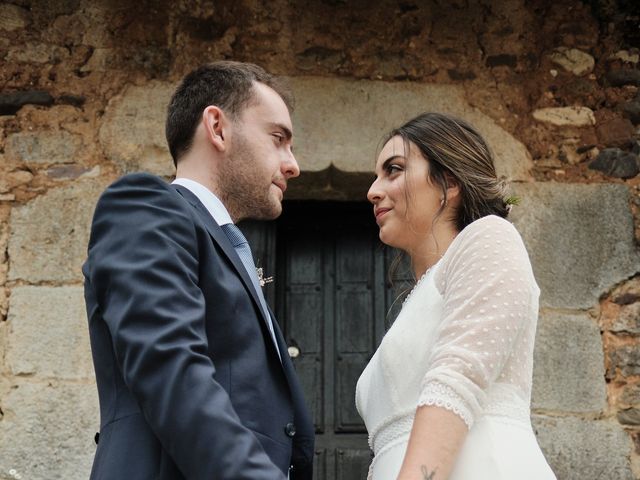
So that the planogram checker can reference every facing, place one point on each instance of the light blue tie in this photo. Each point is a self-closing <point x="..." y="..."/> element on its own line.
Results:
<point x="243" y="249"/>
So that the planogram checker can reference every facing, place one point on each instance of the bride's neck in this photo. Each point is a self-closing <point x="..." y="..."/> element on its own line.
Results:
<point x="431" y="249"/>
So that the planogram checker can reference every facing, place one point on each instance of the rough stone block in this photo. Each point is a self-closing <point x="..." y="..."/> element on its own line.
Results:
<point x="49" y="235"/>
<point x="342" y="122"/>
<point x="626" y="56"/>
<point x="580" y="449"/>
<point x="13" y="17"/>
<point x="566" y="116"/>
<point x="37" y="53"/>
<point x="47" y="431"/>
<point x="329" y="124"/>
<point x="623" y="76"/>
<point x="573" y="60"/>
<point x="43" y="147"/>
<point x="628" y="320"/>
<point x="10" y="103"/>
<point x="616" y="163"/>
<point x="624" y="359"/>
<point x="133" y="129"/>
<point x="629" y="416"/>
<point x="573" y="340"/>
<point x="48" y="333"/>
<point x="631" y="394"/>
<point x="627" y="293"/>
<point x="580" y="240"/>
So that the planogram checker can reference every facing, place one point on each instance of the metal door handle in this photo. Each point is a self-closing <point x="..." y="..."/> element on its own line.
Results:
<point x="294" y="352"/>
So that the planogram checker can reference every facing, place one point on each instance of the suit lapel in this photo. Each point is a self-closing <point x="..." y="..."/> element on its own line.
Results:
<point x="218" y="235"/>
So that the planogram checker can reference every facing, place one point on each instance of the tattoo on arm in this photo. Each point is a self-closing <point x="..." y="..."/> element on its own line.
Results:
<point x="426" y="474"/>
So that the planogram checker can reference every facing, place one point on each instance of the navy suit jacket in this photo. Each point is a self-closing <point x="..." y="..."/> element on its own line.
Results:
<point x="189" y="381"/>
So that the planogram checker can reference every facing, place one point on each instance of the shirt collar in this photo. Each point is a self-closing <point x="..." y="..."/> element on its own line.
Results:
<point x="210" y="201"/>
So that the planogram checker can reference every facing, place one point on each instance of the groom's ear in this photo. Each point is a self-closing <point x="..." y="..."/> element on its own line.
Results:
<point x="215" y="124"/>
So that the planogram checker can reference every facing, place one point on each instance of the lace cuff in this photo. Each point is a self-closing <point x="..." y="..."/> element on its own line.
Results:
<point x="442" y="395"/>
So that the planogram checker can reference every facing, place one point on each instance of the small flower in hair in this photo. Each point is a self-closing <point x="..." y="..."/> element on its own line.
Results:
<point x="511" y="201"/>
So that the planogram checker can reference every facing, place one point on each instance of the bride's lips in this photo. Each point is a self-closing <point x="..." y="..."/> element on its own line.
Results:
<point x="379" y="212"/>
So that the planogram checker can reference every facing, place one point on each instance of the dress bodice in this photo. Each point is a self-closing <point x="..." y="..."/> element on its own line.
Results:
<point x="463" y="339"/>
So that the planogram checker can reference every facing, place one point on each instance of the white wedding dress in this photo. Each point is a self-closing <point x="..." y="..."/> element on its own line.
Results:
<point x="463" y="341"/>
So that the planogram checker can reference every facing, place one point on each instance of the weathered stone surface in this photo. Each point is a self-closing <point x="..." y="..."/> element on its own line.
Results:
<point x="568" y="151"/>
<point x="133" y="130"/>
<point x="566" y="116"/>
<point x="616" y="132"/>
<point x="64" y="351"/>
<point x="71" y="99"/>
<point x="628" y="321"/>
<point x="10" y="103"/>
<point x="43" y="147"/>
<point x="616" y="163"/>
<point x="341" y="122"/>
<point x="624" y="76"/>
<point x="37" y="53"/>
<point x="100" y="60"/>
<point x="629" y="416"/>
<point x="626" y="56"/>
<point x="573" y="60"/>
<point x="631" y="394"/>
<point x="502" y="60"/>
<point x="556" y="219"/>
<point x="13" y="17"/>
<point x="66" y="172"/>
<point x="580" y="449"/>
<point x="14" y="179"/>
<point x="631" y="110"/>
<point x="47" y="431"/>
<point x="627" y="293"/>
<point x="563" y="340"/>
<point x="49" y="235"/>
<point x="625" y="359"/>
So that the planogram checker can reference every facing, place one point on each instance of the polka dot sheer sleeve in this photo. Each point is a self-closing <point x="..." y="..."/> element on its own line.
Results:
<point x="484" y="344"/>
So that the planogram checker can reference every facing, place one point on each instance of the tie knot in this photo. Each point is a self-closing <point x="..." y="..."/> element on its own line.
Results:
<point x="234" y="234"/>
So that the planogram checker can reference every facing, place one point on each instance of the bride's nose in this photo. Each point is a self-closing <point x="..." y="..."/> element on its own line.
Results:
<point x="375" y="194"/>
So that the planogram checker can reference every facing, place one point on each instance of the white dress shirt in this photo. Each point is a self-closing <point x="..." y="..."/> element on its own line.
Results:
<point x="212" y="203"/>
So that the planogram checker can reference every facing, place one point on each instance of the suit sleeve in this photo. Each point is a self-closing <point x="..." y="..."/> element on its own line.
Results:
<point x="143" y="258"/>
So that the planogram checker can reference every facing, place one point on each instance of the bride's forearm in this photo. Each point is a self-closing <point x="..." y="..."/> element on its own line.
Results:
<point x="436" y="438"/>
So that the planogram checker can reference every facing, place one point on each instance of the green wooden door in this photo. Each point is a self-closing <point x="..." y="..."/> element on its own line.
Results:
<point x="333" y="301"/>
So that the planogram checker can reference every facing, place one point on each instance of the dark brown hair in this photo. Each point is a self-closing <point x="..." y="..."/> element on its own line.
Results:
<point x="225" y="84"/>
<point x="457" y="152"/>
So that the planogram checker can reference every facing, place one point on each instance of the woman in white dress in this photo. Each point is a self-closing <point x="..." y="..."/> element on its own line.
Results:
<point x="447" y="393"/>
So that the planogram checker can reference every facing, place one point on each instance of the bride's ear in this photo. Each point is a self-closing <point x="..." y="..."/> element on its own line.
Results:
<point x="453" y="189"/>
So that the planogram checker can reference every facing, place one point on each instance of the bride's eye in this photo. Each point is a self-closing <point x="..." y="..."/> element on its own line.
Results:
<point x="394" y="168"/>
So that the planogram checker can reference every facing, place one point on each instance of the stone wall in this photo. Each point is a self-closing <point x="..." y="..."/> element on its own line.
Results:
<point x="554" y="86"/>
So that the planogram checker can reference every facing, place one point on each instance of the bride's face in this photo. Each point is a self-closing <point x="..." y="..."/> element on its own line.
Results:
<point x="405" y="200"/>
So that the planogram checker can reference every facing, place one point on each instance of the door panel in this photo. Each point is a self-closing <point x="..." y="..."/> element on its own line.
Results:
<point x="333" y="300"/>
<point x="352" y="464"/>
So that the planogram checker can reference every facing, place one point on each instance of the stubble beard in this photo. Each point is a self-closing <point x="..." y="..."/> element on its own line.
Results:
<point x="243" y="191"/>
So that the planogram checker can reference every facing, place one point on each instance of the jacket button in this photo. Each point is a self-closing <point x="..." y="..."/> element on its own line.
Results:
<point x="290" y="429"/>
<point x="96" y="438"/>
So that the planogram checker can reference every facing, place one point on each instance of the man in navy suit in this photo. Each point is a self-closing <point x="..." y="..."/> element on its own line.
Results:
<point x="193" y="375"/>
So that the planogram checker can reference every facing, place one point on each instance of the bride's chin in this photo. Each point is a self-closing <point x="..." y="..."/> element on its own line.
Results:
<point x="387" y="238"/>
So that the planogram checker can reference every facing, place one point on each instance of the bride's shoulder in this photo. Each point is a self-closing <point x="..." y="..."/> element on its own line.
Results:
<point x="486" y="231"/>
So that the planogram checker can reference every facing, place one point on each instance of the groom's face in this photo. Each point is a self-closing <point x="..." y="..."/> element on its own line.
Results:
<point x="260" y="159"/>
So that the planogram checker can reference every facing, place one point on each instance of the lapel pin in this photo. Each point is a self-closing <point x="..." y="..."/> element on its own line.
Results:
<point x="262" y="279"/>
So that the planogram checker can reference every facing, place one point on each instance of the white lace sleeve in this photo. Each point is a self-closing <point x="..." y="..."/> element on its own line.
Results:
<point x="489" y="295"/>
